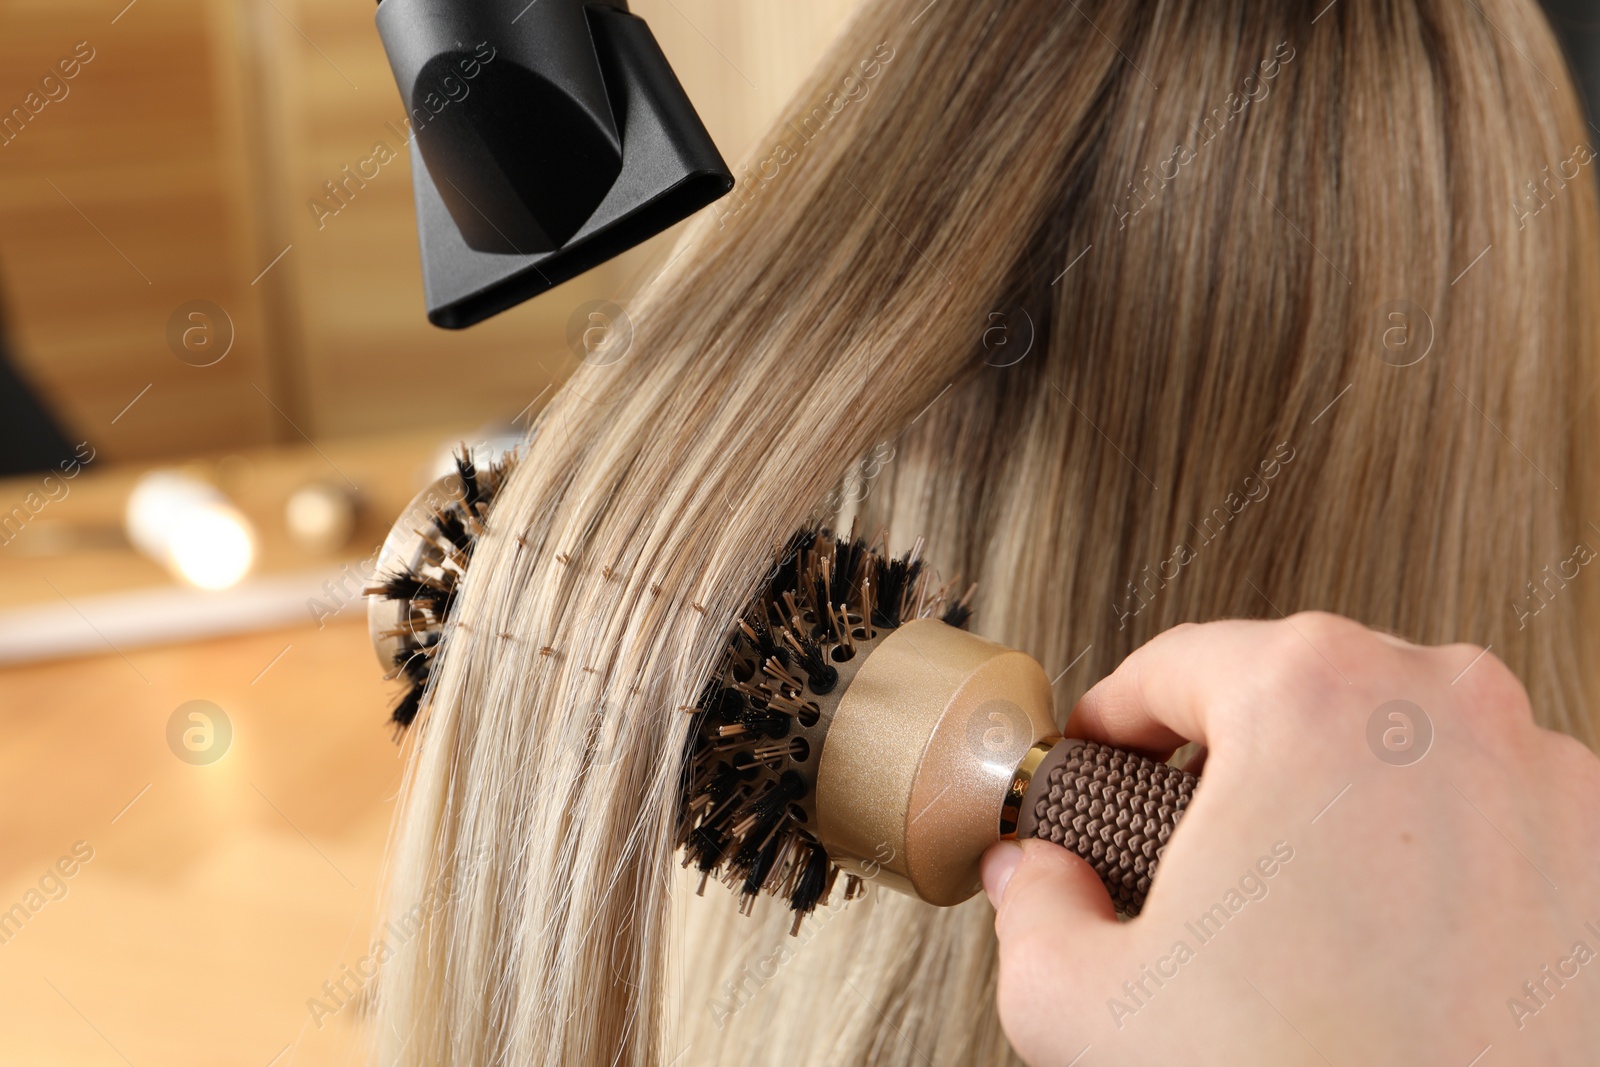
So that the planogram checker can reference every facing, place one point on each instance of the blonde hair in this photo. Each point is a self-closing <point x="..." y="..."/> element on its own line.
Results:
<point x="1210" y="419"/>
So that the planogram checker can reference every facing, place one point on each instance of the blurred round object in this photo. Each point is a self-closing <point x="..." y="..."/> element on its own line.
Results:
<point x="190" y="528"/>
<point x="234" y="474"/>
<point x="320" y="517"/>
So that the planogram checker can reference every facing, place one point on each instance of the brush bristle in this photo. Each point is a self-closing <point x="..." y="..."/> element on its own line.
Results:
<point x="748" y="771"/>
<point x="428" y="587"/>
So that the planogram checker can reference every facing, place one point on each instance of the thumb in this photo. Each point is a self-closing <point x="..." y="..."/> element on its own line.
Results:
<point x="1055" y="921"/>
<point x="1041" y="890"/>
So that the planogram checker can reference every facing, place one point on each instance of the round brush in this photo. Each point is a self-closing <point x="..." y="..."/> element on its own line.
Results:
<point x="851" y="725"/>
<point x="419" y="569"/>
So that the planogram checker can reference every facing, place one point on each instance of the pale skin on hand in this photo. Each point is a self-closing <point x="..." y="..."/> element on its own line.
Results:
<point x="1428" y="912"/>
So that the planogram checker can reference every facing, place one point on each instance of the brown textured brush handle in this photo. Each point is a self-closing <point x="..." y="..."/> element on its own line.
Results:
<point x="1111" y="807"/>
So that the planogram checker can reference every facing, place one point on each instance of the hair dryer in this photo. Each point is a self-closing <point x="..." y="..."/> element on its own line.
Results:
<point x="548" y="137"/>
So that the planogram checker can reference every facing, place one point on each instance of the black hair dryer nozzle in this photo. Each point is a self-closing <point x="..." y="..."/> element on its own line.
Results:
<point x="547" y="137"/>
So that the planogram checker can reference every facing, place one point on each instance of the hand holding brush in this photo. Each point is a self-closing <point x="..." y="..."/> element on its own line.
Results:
<point x="1389" y="864"/>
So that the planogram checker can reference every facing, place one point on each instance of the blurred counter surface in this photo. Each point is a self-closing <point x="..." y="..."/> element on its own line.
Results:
<point x="178" y="890"/>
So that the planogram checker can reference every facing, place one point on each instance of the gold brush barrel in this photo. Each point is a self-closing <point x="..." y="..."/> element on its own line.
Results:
<point x="943" y="742"/>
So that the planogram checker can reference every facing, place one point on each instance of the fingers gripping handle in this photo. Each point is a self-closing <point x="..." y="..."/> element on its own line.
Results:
<point x="1111" y="807"/>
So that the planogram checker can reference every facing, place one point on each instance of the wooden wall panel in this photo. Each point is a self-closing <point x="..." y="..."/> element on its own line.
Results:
<point x="115" y="208"/>
<point x="196" y="140"/>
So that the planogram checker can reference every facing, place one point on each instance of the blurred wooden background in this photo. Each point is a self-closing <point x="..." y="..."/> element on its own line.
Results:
<point x="180" y="166"/>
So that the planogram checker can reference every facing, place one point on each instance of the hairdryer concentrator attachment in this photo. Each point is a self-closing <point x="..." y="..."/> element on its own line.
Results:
<point x="548" y="138"/>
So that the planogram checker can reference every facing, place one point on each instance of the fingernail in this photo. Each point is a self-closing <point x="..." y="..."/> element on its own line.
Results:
<point x="999" y="863"/>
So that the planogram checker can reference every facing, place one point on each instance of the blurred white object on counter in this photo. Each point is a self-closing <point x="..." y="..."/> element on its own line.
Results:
<point x="189" y="527"/>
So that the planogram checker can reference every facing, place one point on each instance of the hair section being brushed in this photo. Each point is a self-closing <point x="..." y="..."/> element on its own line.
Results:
<point x="1193" y="325"/>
